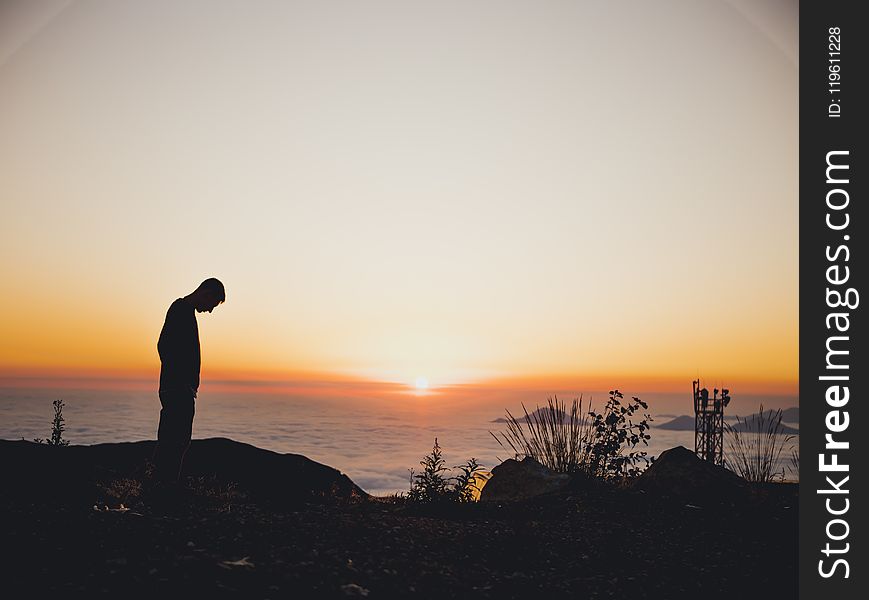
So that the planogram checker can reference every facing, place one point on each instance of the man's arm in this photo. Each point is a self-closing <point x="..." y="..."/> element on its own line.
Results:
<point x="167" y="345"/>
<point x="175" y="349"/>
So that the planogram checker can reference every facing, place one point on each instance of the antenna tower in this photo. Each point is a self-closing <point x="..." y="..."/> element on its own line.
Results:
<point x="709" y="423"/>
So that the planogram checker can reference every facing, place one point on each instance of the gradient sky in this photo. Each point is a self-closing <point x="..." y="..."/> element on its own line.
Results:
<point x="461" y="191"/>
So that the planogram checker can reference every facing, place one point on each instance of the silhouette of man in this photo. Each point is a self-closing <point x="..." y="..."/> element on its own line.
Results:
<point x="178" y="347"/>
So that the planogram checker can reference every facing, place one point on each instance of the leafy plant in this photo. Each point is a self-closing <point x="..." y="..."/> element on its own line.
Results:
<point x="434" y="485"/>
<point x="57" y="427"/>
<point x="755" y="446"/>
<point x="465" y="487"/>
<point x="616" y="436"/>
<point x="431" y="484"/>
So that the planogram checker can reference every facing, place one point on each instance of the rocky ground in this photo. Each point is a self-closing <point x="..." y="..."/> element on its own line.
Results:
<point x="229" y="541"/>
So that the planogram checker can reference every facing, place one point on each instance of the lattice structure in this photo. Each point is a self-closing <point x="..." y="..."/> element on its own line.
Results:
<point x="709" y="423"/>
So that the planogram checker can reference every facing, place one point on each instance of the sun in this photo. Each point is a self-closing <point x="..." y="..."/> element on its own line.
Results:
<point x="421" y="384"/>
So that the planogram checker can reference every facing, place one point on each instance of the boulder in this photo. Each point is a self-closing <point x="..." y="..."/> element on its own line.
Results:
<point x="679" y="474"/>
<point x="517" y="480"/>
<point x="41" y="470"/>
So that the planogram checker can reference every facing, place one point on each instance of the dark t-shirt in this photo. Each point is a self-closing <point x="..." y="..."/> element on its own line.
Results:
<point x="178" y="347"/>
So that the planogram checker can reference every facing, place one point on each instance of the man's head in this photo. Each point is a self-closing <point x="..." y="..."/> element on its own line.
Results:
<point x="209" y="294"/>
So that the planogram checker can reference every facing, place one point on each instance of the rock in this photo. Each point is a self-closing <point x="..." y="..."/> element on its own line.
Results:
<point x="515" y="480"/>
<point x="40" y="470"/>
<point x="353" y="589"/>
<point x="678" y="473"/>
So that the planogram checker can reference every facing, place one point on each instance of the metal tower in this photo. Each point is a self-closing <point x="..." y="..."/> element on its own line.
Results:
<point x="709" y="423"/>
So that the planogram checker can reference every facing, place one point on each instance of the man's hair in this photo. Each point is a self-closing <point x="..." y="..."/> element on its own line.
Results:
<point x="215" y="286"/>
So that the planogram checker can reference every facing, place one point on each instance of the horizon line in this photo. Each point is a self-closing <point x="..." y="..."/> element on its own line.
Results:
<point x="274" y="382"/>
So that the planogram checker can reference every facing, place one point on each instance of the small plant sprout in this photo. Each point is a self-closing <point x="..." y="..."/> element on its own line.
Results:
<point x="57" y="427"/>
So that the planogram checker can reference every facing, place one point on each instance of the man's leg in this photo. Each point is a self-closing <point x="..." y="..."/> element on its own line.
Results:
<point x="173" y="435"/>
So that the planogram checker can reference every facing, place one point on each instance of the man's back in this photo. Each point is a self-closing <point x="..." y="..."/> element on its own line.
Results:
<point x="178" y="347"/>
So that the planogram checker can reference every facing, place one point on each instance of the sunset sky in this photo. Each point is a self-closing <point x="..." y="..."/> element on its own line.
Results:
<point x="465" y="192"/>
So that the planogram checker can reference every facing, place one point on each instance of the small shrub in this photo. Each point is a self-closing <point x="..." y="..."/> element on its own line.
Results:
<point x="616" y="436"/>
<point x="431" y="484"/>
<point x="57" y="427"/>
<point x="124" y="491"/>
<point x="465" y="487"/>
<point x="434" y="485"/>
<point x="755" y="452"/>
<point x="209" y="492"/>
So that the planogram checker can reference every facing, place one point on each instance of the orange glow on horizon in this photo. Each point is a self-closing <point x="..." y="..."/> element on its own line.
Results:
<point x="316" y="383"/>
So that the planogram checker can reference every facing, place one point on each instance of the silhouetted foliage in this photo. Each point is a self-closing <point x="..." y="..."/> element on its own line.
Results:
<point x="553" y="437"/>
<point x="209" y="492"/>
<point x="434" y="485"/>
<point x="464" y="487"/>
<point x="123" y="492"/>
<point x="431" y="484"/>
<point x="616" y="436"/>
<point x="754" y="452"/>
<point x="795" y="462"/>
<point x="57" y="427"/>
<point x="600" y="444"/>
